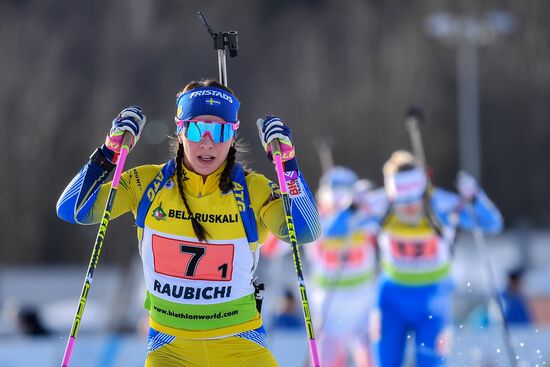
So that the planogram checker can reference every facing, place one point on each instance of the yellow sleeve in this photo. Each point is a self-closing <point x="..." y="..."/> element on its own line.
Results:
<point x="130" y="190"/>
<point x="265" y="198"/>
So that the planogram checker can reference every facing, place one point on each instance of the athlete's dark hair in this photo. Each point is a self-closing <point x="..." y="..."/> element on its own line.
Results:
<point x="225" y="179"/>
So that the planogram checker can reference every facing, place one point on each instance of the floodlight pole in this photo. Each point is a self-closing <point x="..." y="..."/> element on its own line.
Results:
<point x="468" y="34"/>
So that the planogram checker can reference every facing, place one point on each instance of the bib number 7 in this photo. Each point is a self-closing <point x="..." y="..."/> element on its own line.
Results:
<point x="193" y="260"/>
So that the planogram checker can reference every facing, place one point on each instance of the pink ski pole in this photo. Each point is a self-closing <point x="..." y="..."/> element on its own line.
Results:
<point x="96" y="250"/>
<point x="276" y="152"/>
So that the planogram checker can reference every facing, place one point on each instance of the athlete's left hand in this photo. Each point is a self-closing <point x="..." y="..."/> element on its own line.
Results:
<point x="466" y="185"/>
<point x="131" y="120"/>
<point x="271" y="127"/>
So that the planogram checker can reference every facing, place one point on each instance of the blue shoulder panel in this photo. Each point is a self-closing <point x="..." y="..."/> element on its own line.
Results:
<point x="240" y="191"/>
<point x="152" y="189"/>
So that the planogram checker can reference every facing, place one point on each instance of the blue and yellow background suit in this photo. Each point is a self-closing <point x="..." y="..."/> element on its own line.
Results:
<point x="414" y="291"/>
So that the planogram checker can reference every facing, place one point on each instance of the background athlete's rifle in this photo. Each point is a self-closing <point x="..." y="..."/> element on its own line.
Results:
<point x="324" y="151"/>
<point x="413" y="121"/>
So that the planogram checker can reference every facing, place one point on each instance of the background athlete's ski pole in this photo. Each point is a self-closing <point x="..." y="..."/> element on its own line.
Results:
<point x="479" y="239"/>
<point x="277" y="159"/>
<point x="414" y="118"/>
<point x="327" y="163"/>
<point x="96" y="250"/>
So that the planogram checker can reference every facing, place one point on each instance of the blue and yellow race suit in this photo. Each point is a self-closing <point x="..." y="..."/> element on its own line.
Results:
<point x="195" y="290"/>
<point x="343" y="267"/>
<point x="415" y="289"/>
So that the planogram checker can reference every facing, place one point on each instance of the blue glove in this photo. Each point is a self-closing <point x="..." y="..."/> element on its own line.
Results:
<point x="130" y="119"/>
<point x="270" y="128"/>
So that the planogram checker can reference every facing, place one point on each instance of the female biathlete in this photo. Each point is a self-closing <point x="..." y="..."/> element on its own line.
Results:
<point x="200" y="219"/>
<point x="417" y="229"/>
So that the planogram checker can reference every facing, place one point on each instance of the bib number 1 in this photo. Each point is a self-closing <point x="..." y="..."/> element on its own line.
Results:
<point x="193" y="260"/>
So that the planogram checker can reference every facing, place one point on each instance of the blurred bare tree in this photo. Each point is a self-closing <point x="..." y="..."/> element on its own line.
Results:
<point x="344" y="70"/>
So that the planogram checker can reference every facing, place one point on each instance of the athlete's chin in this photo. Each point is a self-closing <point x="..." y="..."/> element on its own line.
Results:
<point x="207" y="168"/>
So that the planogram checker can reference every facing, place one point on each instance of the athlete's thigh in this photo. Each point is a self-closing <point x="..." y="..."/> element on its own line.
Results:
<point x="159" y="358"/>
<point x="165" y="350"/>
<point x="247" y="349"/>
<point x="258" y="357"/>
<point x="390" y="349"/>
<point x="393" y="337"/>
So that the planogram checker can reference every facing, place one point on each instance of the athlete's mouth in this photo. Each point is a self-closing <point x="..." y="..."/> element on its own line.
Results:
<point x="206" y="158"/>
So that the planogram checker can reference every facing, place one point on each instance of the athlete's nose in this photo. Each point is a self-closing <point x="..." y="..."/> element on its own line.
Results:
<point x="207" y="140"/>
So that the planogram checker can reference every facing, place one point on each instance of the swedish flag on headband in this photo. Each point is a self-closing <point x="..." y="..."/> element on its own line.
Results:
<point x="211" y="101"/>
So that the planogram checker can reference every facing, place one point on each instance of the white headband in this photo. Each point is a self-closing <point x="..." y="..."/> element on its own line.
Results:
<point x="407" y="185"/>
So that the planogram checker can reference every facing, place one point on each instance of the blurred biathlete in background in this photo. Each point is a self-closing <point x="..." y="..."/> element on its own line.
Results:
<point x="342" y="269"/>
<point x="200" y="220"/>
<point x="418" y="225"/>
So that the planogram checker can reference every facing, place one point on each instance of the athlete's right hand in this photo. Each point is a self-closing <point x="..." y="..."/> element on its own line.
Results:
<point x="131" y="120"/>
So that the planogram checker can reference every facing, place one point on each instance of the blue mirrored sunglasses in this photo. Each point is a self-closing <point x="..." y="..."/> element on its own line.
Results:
<point x="219" y="131"/>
